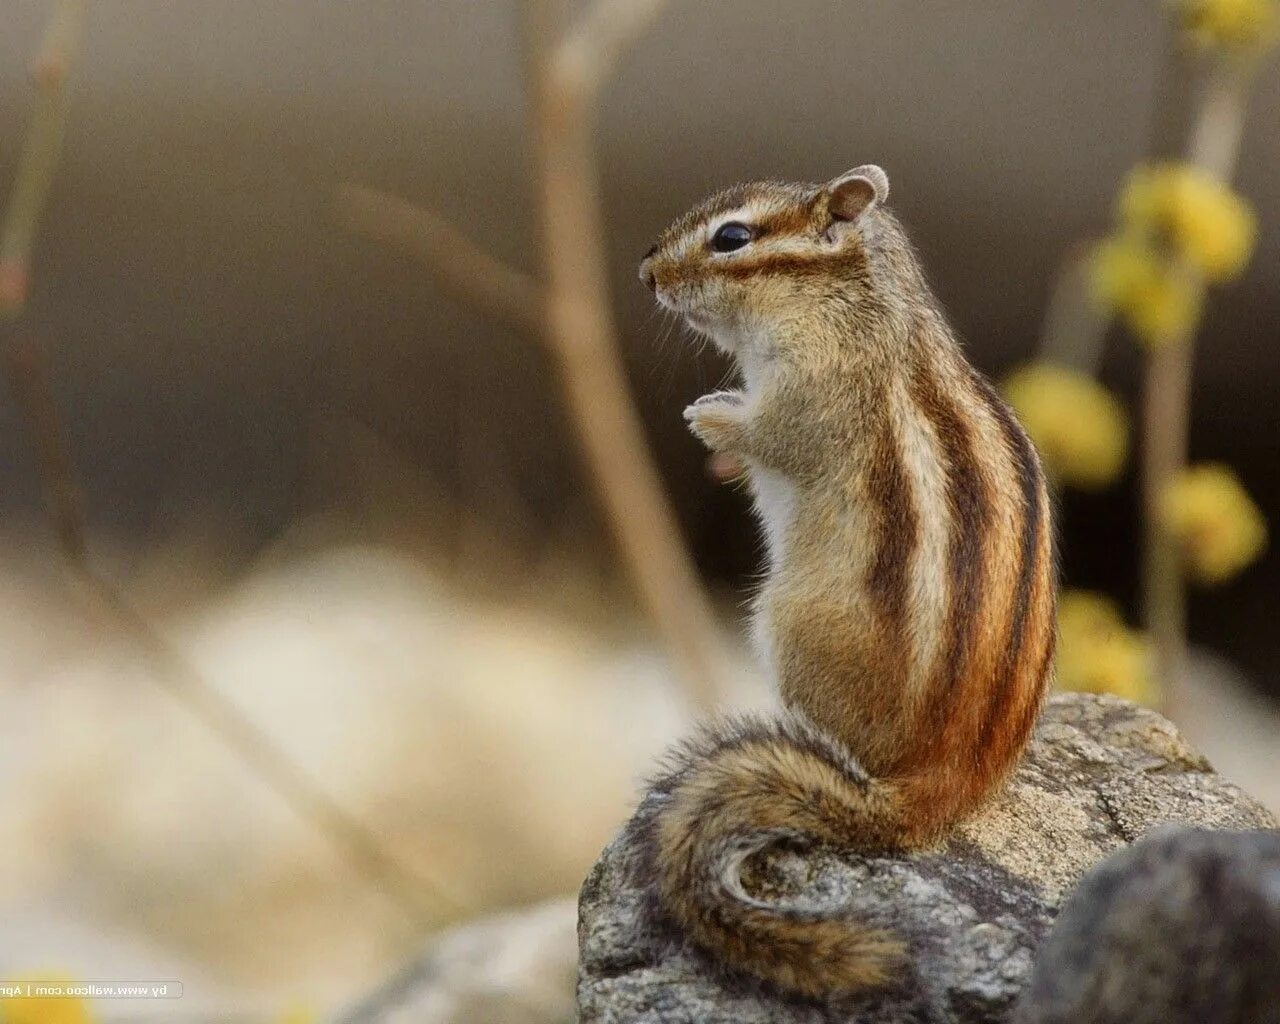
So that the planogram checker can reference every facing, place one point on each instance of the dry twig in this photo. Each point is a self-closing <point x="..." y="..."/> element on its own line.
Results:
<point x="1074" y="331"/>
<point x="594" y="45"/>
<point x="1214" y="146"/>
<point x="40" y="152"/>
<point x="572" y="308"/>
<point x="482" y="281"/>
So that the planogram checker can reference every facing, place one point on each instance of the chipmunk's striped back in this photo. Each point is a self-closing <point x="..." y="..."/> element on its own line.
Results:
<point x="971" y="526"/>
<point x="907" y="611"/>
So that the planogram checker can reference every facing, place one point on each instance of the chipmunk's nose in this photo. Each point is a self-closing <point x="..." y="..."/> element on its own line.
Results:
<point x="646" y="268"/>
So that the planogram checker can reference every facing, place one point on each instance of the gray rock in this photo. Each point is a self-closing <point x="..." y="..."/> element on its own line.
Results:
<point x="1099" y="773"/>
<point x="1181" y="928"/>
<point x="506" y="969"/>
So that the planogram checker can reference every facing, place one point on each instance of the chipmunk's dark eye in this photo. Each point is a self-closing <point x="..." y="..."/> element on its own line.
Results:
<point x="731" y="236"/>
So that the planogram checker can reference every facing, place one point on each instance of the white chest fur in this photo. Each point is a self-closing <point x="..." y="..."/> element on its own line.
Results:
<point x="775" y="497"/>
<point x="775" y="500"/>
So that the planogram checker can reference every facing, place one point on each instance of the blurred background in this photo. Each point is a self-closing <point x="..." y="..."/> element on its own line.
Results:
<point x="357" y="510"/>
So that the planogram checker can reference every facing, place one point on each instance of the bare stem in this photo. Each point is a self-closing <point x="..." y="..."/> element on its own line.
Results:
<point x="483" y="282"/>
<point x="1165" y="427"/>
<point x="572" y="313"/>
<point x="40" y="152"/>
<point x="1214" y="145"/>
<point x="1074" y="329"/>
<point x="1219" y="125"/>
<point x="601" y="36"/>
<point x="64" y="504"/>
<point x="564" y="93"/>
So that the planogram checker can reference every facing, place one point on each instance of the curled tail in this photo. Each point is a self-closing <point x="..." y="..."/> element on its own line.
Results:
<point x="736" y="789"/>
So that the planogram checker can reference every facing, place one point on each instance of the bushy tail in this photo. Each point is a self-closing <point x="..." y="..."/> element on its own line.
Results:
<point x="735" y="789"/>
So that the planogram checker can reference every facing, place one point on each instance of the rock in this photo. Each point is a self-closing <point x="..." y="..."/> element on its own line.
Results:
<point x="507" y="969"/>
<point x="1181" y="928"/>
<point x="1099" y="773"/>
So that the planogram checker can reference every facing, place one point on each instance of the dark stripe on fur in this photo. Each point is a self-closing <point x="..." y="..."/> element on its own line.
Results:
<point x="1027" y="717"/>
<point x="899" y="534"/>
<point x="969" y="506"/>
<point x="848" y="263"/>
<point x="1033" y="522"/>
<point x="795" y="221"/>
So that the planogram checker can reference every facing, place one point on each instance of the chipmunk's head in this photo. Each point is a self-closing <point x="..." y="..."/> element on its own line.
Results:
<point x="758" y="256"/>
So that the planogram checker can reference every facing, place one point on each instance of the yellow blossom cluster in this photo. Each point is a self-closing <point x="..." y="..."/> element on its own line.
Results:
<point x="1131" y="276"/>
<point x="1174" y="218"/>
<point x="1236" y="26"/>
<point x="1205" y="221"/>
<point x="1079" y="427"/>
<point x="1215" y="522"/>
<point x="1097" y="652"/>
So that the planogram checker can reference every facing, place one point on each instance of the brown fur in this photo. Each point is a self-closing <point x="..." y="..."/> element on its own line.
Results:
<point x="908" y="609"/>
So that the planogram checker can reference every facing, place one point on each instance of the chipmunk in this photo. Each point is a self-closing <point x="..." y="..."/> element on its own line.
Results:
<point x="907" y="609"/>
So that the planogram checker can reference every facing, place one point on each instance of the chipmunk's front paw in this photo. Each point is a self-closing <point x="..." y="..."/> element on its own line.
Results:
<point x="718" y="420"/>
<point x="725" y="398"/>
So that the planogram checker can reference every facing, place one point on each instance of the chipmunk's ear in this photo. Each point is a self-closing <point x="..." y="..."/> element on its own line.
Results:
<point x="851" y="194"/>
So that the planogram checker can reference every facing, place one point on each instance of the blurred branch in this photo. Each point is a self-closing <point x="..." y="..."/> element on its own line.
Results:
<point x="598" y="40"/>
<point x="23" y="360"/>
<point x="583" y="339"/>
<point x="1075" y="329"/>
<point x="1214" y="146"/>
<point x="479" y="279"/>
<point x="29" y="379"/>
<point x="24" y="366"/>
<point x="572" y="313"/>
<point x="40" y="152"/>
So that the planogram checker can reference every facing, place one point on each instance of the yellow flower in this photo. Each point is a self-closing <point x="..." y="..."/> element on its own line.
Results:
<point x="1076" y="423"/>
<point x="44" y="1010"/>
<point x="1204" y="220"/>
<point x="1097" y="652"/>
<point x="298" y="1014"/>
<point x="1239" y="25"/>
<point x="1214" y="520"/>
<point x="1133" y="278"/>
